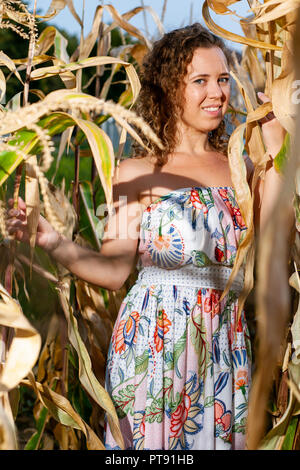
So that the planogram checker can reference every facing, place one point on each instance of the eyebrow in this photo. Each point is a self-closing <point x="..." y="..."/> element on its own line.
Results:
<point x="208" y="75"/>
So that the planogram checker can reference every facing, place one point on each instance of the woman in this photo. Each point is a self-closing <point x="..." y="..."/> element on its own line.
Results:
<point x="178" y="375"/>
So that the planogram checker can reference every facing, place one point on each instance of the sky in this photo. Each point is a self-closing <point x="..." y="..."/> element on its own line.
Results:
<point x="178" y="13"/>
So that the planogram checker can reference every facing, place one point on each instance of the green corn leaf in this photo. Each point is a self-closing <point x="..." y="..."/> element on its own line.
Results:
<point x="9" y="160"/>
<point x="281" y="157"/>
<point x="33" y="442"/>
<point x="90" y="227"/>
<point x="290" y="434"/>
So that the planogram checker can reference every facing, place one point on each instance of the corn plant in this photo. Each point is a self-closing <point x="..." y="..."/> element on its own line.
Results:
<point x="270" y="63"/>
<point x="59" y="361"/>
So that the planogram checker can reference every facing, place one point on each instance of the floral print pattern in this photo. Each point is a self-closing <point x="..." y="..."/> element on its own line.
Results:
<point x="178" y="366"/>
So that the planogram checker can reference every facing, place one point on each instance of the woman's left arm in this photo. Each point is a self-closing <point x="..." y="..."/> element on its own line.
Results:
<point x="269" y="188"/>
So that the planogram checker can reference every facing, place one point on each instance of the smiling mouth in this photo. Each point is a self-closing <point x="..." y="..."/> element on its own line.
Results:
<point x="212" y="108"/>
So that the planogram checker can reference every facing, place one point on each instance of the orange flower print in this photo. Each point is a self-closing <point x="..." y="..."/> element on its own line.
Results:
<point x="126" y="333"/>
<point x="199" y="298"/>
<point x="212" y="304"/>
<point x="162" y="242"/>
<point x="241" y="380"/>
<point x="179" y="416"/>
<point x="239" y="357"/>
<point x="222" y="418"/>
<point x="162" y="327"/>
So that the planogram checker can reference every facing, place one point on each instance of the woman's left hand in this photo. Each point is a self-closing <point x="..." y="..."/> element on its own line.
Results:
<point x="272" y="130"/>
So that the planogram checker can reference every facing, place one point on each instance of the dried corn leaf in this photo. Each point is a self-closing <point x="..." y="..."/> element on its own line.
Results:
<point x="120" y="20"/>
<point x="58" y="5"/>
<point x="66" y="437"/>
<point x="90" y="62"/>
<point x="25" y="346"/>
<point x="45" y="40"/>
<point x="232" y="36"/>
<point x="87" y="46"/>
<point x="272" y="311"/>
<point x="9" y="63"/>
<point x="252" y="64"/>
<point x="295" y="328"/>
<point x="281" y="97"/>
<point x="98" y="318"/>
<point x="46" y="369"/>
<point x="8" y="438"/>
<point x="274" y="438"/>
<point x="239" y="179"/>
<point x="86" y="375"/>
<point x="220" y="6"/>
<point x="2" y="85"/>
<point x="62" y="410"/>
<point x="276" y="9"/>
<point x="255" y="149"/>
<point x="32" y="199"/>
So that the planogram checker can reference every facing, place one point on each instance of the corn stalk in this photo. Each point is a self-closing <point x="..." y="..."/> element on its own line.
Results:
<point x="269" y="60"/>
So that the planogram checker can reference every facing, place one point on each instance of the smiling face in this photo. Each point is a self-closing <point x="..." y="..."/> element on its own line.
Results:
<point x="207" y="90"/>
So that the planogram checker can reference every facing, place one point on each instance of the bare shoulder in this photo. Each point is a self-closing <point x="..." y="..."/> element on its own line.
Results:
<point x="130" y="168"/>
<point x="129" y="177"/>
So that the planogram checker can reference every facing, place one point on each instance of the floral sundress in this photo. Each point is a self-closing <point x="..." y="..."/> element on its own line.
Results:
<point x="178" y="366"/>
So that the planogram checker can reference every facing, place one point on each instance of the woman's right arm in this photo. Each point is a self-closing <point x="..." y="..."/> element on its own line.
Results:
<point x="110" y="267"/>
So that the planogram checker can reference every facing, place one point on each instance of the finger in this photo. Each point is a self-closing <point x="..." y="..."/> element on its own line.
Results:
<point x="12" y="230"/>
<point x="15" y="223"/>
<point x="21" y="204"/>
<point x="13" y="213"/>
<point x="263" y="97"/>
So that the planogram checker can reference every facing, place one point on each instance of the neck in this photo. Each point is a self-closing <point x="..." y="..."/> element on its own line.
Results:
<point x="193" y="142"/>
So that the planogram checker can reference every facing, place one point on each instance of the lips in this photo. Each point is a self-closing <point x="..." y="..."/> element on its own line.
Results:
<point x="212" y="107"/>
<point x="213" y="111"/>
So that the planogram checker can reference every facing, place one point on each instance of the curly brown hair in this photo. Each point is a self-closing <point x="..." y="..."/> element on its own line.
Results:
<point x="160" y="99"/>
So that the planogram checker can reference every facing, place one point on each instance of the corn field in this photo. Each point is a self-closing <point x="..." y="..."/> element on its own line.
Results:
<point x="52" y="370"/>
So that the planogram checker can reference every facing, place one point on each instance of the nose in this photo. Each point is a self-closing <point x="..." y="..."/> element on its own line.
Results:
<point x="214" y="90"/>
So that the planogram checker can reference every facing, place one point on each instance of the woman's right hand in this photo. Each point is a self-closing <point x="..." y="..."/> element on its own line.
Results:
<point x="16" y="223"/>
